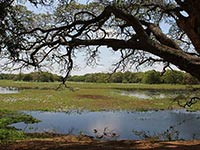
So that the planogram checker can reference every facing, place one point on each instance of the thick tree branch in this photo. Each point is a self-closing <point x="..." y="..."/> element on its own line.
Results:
<point x="129" y="29"/>
<point x="131" y="20"/>
<point x="175" y="56"/>
<point x="160" y="36"/>
<point x="113" y="43"/>
<point x="181" y="59"/>
<point x="190" y="24"/>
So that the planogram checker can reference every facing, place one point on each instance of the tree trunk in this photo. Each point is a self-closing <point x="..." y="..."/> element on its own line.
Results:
<point x="179" y="58"/>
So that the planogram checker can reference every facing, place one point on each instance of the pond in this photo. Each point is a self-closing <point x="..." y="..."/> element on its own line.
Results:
<point x="156" y="94"/>
<point x="166" y="125"/>
<point x="8" y="90"/>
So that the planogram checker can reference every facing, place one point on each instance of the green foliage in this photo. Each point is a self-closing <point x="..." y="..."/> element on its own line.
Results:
<point x="86" y="96"/>
<point x="9" y="117"/>
<point x="102" y="77"/>
<point x="117" y="77"/>
<point x="149" y="77"/>
<point x="77" y="78"/>
<point x="34" y="76"/>
<point x="90" y="78"/>
<point x="27" y="77"/>
<point x="96" y="77"/>
<point x="6" y="76"/>
<point x="188" y="79"/>
<point x="173" y="77"/>
<point x="10" y="135"/>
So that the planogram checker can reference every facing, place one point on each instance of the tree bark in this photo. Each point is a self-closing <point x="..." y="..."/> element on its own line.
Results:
<point x="182" y="60"/>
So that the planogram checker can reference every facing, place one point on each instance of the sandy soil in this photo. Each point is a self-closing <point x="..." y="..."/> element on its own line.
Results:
<point x="70" y="142"/>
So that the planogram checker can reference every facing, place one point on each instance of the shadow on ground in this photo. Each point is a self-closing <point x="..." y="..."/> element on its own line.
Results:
<point x="85" y="143"/>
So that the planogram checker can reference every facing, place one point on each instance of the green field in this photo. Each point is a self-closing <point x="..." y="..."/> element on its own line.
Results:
<point x="85" y="96"/>
<point x="77" y="96"/>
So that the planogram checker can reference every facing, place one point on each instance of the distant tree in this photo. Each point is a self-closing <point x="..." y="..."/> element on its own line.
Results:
<point x="117" y="77"/>
<point x="188" y="79"/>
<point x="37" y="76"/>
<point x="7" y="76"/>
<point x="127" y="77"/>
<point x="102" y="77"/>
<point x="90" y="78"/>
<point x="151" y="77"/>
<point x="77" y="78"/>
<point x="18" y="77"/>
<point x="173" y="77"/>
<point x="46" y="77"/>
<point x="148" y="77"/>
<point x="137" y="77"/>
<point x="27" y="77"/>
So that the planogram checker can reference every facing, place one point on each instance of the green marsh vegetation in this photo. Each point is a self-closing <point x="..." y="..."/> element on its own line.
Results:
<point x="7" y="133"/>
<point x="38" y="96"/>
<point x="87" y="96"/>
<point x="46" y="96"/>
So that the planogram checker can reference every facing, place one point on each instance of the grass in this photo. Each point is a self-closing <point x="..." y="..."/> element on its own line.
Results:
<point x="80" y="96"/>
<point x="89" y="96"/>
<point x="7" y="133"/>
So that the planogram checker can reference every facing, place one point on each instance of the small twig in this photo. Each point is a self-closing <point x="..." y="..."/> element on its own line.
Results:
<point x="189" y="103"/>
<point x="65" y="86"/>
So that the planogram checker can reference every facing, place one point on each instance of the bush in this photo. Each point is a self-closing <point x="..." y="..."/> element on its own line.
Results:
<point x="173" y="77"/>
<point x="38" y="76"/>
<point x="188" y="79"/>
<point x="10" y="135"/>
<point x="116" y="77"/>
<point x="151" y="77"/>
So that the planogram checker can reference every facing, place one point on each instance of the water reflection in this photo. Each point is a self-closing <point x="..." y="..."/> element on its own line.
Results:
<point x="122" y="123"/>
<point x="8" y="90"/>
<point x="152" y="94"/>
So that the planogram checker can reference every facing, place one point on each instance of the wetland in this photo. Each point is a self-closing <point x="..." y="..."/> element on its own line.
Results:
<point x="120" y="111"/>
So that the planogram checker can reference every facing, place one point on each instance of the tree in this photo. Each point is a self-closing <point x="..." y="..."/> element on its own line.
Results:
<point x="102" y="77"/>
<point x="188" y="79"/>
<point x="90" y="78"/>
<point x="132" y="28"/>
<point x="77" y="78"/>
<point x="173" y="77"/>
<point x="27" y="77"/>
<point x="117" y="77"/>
<point x="151" y="77"/>
<point x="127" y="77"/>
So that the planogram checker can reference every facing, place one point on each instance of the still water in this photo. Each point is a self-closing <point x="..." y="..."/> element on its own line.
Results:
<point x="178" y="124"/>
<point x="8" y="90"/>
<point x="159" y="94"/>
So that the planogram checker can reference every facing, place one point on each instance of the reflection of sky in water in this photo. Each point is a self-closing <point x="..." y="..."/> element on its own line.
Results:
<point x="7" y="90"/>
<point x="121" y="122"/>
<point x="150" y="94"/>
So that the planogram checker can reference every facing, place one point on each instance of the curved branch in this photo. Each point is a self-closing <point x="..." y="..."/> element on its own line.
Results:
<point x="131" y="20"/>
<point x="115" y="44"/>
<point x="177" y="57"/>
<point x="181" y="59"/>
<point x="160" y="36"/>
<point x="85" y="33"/>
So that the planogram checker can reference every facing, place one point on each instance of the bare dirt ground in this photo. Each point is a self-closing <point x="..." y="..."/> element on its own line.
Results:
<point x="70" y="142"/>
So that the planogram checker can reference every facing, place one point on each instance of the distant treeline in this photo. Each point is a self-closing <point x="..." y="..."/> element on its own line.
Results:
<point x="34" y="76"/>
<point x="149" y="77"/>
